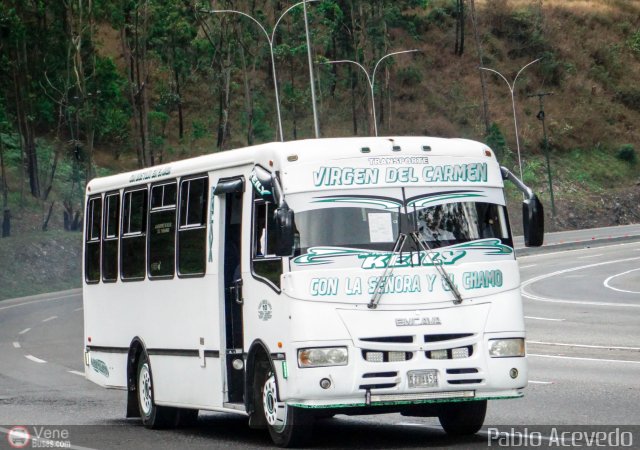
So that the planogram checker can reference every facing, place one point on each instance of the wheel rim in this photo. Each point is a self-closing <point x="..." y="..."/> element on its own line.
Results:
<point x="145" y="392"/>
<point x="275" y="412"/>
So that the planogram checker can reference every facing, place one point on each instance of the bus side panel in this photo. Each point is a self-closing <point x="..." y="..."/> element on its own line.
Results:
<point x="182" y="381"/>
<point x="168" y="316"/>
<point x="107" y="369"/>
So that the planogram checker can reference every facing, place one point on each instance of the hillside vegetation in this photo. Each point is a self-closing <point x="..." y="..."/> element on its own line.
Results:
<point x="121" y="85"/>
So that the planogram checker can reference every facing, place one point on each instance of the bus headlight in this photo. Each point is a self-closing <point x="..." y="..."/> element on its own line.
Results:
<point x="504" y="348"/>
<point x="319" y="357"/>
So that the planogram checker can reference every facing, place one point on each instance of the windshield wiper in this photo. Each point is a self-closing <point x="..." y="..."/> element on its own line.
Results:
<point x="438" y="265"/>
<point x="397" y="248"/>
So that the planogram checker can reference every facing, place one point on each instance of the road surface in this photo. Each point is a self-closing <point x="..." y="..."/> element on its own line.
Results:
<point x="582" y="311"/>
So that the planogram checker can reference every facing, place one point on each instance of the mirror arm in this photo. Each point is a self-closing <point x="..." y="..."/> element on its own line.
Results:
<point x="277" y="191"/>
<point x="508" y="175"/>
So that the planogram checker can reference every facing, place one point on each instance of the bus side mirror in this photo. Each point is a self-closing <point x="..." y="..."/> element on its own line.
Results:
<point x="285" y="231"/>
<point x="533" y="222"/>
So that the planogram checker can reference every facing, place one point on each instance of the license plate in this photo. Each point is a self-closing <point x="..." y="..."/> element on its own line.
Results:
<point x="422" y="378"/>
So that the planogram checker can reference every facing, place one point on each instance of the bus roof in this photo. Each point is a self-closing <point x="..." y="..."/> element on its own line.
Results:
<point x="281" y="155"/>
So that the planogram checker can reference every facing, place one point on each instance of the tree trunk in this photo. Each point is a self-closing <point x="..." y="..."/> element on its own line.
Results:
<point x="483" y="82"/>
<point x="6" y="216"/>
<point x="354" y="112"/>
<point x="248" y="96"/>
<point x="25" y="125"/>
<point x="128" y="57"/>
<point x="176" y="76"/>
<point x="45" y="221"/>
<point x="223" y="122"/>
<point x="6" y="222"/>
<point x="459" y="47"/>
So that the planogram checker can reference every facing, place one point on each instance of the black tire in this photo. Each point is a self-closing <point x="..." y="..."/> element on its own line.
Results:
<point x="288" y="426"/>
<point x="153" y="416"/>
<point x="464" y="418"/>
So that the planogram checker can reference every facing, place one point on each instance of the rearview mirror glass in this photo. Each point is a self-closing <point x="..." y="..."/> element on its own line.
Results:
<point x="285" y="230"/>
<point x="533" y="222"/>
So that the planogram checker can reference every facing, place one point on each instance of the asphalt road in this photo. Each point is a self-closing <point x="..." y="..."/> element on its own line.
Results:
<point x="582" y="310"/>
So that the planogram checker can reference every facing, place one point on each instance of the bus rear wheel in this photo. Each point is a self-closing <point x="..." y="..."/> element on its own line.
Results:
<point x="153" y="416"/>
<point x="288" y="426"/>
<point x="464" y="418"/>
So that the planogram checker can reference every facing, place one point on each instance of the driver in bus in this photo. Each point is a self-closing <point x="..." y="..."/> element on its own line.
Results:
<point x="432" y="230"/>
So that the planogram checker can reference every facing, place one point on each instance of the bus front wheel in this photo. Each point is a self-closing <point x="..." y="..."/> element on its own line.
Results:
<point x="464" y="418"/>
<point x="153" y="416"/>
<point x="288" y="426"/>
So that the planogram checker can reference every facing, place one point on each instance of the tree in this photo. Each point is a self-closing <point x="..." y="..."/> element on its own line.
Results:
<point x="481" y="73"/>
<point x="459" y="48"/>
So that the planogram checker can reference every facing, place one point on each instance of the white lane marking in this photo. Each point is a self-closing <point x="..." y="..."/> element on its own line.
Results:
<point x="527" y="266"/>
<point x="78" y="309"/>
<point x="600" y="247"/>
<point x="584" y="345"/>
<point x="589" y="256"/>
<point x="543" y="318"/>
<point x="16" y="345"/>
<point x="50" y="318"/>
<point x="584" y="359"/>
<point x="608" y="280"/>
<point x="75" y="372"/>
<point x="34" y="359"/>
<point x="540" y="382"/>
<point x="574" y="302"/>
<point x="26" y="330"/>
<point x="79" y="294"/>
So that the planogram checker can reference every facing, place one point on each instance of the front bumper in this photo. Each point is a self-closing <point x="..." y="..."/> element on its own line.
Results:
<point x="364" y="383"/>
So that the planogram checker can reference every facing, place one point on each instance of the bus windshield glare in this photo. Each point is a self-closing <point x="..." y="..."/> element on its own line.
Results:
<point x="377" y="229"/>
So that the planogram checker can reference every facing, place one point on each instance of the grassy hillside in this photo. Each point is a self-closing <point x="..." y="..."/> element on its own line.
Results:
<point x="33" y="263"/>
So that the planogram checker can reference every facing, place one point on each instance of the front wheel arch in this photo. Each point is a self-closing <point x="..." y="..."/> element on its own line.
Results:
<point x="258" y="355"/>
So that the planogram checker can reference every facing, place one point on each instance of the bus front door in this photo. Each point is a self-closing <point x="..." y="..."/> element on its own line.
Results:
<point x="233" y="290"/>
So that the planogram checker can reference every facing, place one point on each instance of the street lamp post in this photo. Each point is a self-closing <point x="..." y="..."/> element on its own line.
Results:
<point x="513" y="104"/>
<point x="270" y="38"/>
<point x="541" y="116"/>
<point x="316" y="125"/>
<point x="371" y="79"/>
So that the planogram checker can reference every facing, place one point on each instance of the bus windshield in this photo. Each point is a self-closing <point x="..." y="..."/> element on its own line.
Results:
<point x="367" y="223"/>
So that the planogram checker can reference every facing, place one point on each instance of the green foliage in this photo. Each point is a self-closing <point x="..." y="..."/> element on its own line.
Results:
<point x="523" y="28"/>
<point x="409" y="76"/>
<point x="496" y="141"/>
<point x="198" y="130"/>
<point x="596" y="169"/>
<point x="439" y="16"/>
<point x="634" y="42"/>
<point x="630" y="98"/>
<point x="627" y="154"/>
<point x="113" y="112"/>
<point x="397" y="16"/>
<point x="12" y="149"/>
<point x="533" y="171"/>
<point x="607" y="65"/>
<point x="551" y="69"/>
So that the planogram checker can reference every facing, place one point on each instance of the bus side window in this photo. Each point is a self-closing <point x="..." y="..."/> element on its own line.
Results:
<point x="110" y="237"/>
<point x="162" y="231"/>
<point x="92" y="250"/>
<point x="192" y="229"/>
<point x="264" y="263"/>
<point x="134" y="234"/>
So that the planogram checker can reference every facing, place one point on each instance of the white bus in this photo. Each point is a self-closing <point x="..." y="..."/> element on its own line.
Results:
<point x="292" y="281"/>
